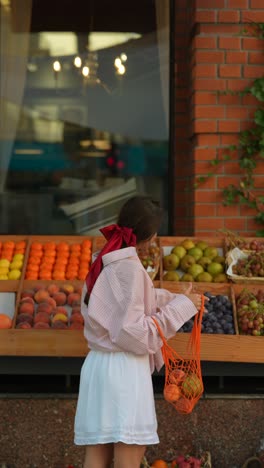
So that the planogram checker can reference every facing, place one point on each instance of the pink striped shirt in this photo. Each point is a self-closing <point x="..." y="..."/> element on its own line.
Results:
<point x="123" y="299"/>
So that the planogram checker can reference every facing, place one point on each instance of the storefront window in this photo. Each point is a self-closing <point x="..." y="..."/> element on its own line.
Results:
<point x="83" y="111"/>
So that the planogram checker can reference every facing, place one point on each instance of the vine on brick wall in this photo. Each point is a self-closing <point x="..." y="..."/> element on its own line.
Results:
<point x="249" y="150"/>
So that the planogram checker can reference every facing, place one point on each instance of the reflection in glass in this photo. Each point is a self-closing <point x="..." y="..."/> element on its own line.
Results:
<point x="86" y="114"/>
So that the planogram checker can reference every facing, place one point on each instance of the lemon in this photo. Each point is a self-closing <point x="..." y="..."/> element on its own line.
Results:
<point x="16" y="265"/>
<point x="18" y="257"/>
<point x="4" y="262"/>
<point x="4" y="277"/>
<point x="4" y="270"/>
<point x="14" y="274"/>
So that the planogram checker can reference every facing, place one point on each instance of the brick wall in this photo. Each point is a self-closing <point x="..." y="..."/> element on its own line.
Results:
<point x="219" y="59"/>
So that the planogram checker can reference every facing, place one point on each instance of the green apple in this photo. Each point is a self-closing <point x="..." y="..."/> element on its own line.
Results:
<point x="219" y="259"/>
<point x="220" y="278"/>
<point x="187" y="277"/>
<point x="215" y="268"/>
<point x="192" y="387"/>
<point x="210" y="252"/>
<point x="187" y="244"/>
<point x="204" y="277"/>
<point x="186" y="262"/>
<point x="201" y="245"/>
<point x="171" y="276"/>
<point x="195" y="270"/>
<point x="179" y="250"/>
<point x="171" y="262"/>
<point x="204" y="261"/>
<point x="196" y="253"/>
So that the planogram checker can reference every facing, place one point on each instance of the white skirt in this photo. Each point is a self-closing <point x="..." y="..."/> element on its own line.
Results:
<point x="116" y="400"/>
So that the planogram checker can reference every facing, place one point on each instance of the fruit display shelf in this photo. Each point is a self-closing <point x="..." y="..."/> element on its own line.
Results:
<point x="71" y="343"/>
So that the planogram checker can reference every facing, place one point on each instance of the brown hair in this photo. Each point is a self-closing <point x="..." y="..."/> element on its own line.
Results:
<point x="143" y="215"/>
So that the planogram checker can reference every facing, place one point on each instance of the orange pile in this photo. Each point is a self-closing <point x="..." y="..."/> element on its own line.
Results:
<point x="10" y="248"/>
<point x="51" y="261"/>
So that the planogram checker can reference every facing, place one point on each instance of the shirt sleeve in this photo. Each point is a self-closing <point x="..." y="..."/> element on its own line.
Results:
<point x="128" y="326"/>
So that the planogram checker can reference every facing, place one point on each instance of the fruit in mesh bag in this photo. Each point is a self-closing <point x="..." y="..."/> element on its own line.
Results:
<point x="191" y="387"/>
<point x="172" y="393"/>
<point x="176" y="376"/>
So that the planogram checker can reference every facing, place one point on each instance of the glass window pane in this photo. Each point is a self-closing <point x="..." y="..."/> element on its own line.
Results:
<point x="84" y="112"/>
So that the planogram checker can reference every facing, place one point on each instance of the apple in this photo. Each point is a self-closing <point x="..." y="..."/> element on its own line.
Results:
<point x="211" y="252"/>
<point x="179" y="250"/>
<point x="215" y="268"/>
<point x="171" y="262"/>
<point x="195" y="270"/>
<point x="192" y="387"/>
<point x="196" y="253"/>
<point x="186" y="262"/>
<point x="171" y="276"/>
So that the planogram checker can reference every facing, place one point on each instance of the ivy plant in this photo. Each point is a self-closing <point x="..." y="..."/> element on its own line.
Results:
<point x="249" y="149"/>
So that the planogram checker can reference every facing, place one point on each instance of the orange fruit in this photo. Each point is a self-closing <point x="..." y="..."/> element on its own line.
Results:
<point x="21" y="251"/>
<point x="20" y="245"/>
<point x="5" y="321"/>
<point x="9" y="245"/>
<point x="49" y="246"/>
<point x="45" y="276"/>
<point x="75" y="248"/>
<point x="62" y="260"/>
<point x="85" y="257"/>
<point x="36" y="245"/>
<point x="31" y="275"/>
<point x="34" y="260"/>
<point x="63" y="247"/>
<point x="159" y="464"/>
<point x="87" y="243"/>
<point x="58" y="276"/>
<point x="32" y="267"/>
<point x="50" y="253"/>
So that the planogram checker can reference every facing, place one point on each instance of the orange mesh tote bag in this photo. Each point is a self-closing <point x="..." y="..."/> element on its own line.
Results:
<point x="183" y="377"/>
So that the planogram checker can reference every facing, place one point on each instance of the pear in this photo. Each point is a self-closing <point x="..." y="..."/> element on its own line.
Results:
<point x="211" y="252"/>
<point x="204" y="277"/>
<point x="187" y="244"/>
<point x="201" y="245"/>
<point x="171" y="276"/>
<point x="215" y="268"/>
<point x="179" y="250"/>
<point x="171" y="262"/>
<point x="186" y="262"/>
<point x="196" y="253"/>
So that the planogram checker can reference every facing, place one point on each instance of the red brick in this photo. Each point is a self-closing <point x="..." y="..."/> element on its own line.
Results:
<point x="201" y="70"/>
<point x="222" y="210"/>
<point x="219" y="29"/>
<point x="247" y="211"/>
<point x="229" y="139"/>
<point x="203" y="56"/>
<point x="208" y="183"/>
<point x="252" y="225"/>
<point x="259" y="181"/>
<point x="228" y="126"/>
<point x="232" y="167"/>
<point x="204" y="167"/>
<point x="204" y="16"/>
<point x="240" y="4"/>
<point x="249" y="100"/>
<point x="203" y="154"/>
<point x="233" y="112"/>
<point x="204" y="42"/>
<point x="209" y="112"/>
<point x="207" y="140"/>
<point x="255" y="16"/>
<point x="209" y="224"/>
<point x="210" y="4"/>
<point x="229" y="71"/>
<point x="205" y="209"/>
<point x="252" y="43"/>
<point x="253" y="71"/>
<point x="203" y="84"/>
<point x="245" y="125"/>
<point x="236" y="57"/>
<point x="207" y="196"/>
<point x="229" y="43"/>
<point x="256" y="4"/>
<point x="205" y="126"/>
<point x="223" y="182"/>
<point x="229" y="99"/>
<point x="204" y="97"/>
<point x="228" y="16"/>
<point x="238" y="85"/>
<point x="256" y="57"/>
<point x="235" y="224"/>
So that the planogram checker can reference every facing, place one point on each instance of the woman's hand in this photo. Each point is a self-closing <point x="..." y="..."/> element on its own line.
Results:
<point x="196" y="298"/>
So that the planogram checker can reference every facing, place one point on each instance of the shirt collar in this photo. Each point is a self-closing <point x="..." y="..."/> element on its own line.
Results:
<point x="119" y="255"/>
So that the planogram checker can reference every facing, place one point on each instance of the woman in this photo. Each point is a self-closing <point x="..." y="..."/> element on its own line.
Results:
<point x="115" y="416"/>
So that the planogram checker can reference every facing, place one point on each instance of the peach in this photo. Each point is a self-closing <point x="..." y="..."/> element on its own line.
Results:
<point x="25" y="318"/>
<point x="74" y="299"/>
<point x="42" y="317"/>
<point x="78" y="290"/>
<point x="45" y="307"/>
<point x="77" y="317"/>
<point x="60" y="310"/>
<point x="60" y="298"/>
<point x="76" y="326"/>
<point x="51" y="301"/>
<point x="41" y="295"/>
<point x="67" y="288"/>
<point x="76" y="309"/>
<point x="60" y="317"/>
<point x="27" y="299"/>
<point x="23" y="325"/>
<point x="26" y="307"/>
<point x="41" y="325"/>
<point x="39" y="286"/>
<point x="27" y="293"/>
<point x="58" y="324"/>
<point x="53" y="289"/>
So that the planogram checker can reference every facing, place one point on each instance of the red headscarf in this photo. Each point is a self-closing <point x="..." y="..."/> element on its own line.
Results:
<point x="115" y="236"/>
